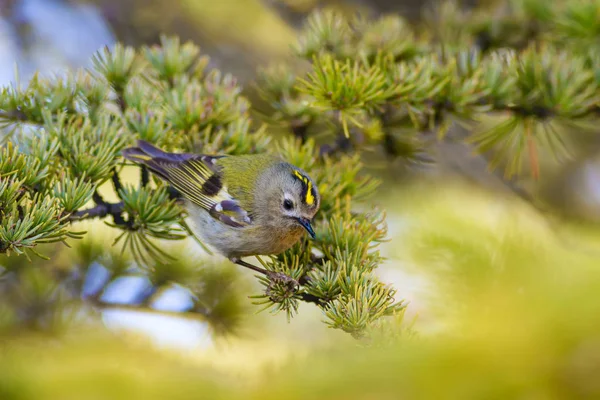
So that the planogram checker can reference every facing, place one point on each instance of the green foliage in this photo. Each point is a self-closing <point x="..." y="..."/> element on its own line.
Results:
<point x="22" y="166"/>
<point x="328" y="34"/>
<point x="73" y="194"/>
<point x="345" y="87"/>
<point x="29" y="214"/>
<point x="32" y="300"/>
<point x="39" y="97"/>
<point x="150" y="214"/>
<point x="529" y="63"/>
<point x="117" y="66"/>
<point x="89" y="147"/>
<point x="172" y="61"/>
<point x="26" y="224"/>
<point x="46" y="296"/>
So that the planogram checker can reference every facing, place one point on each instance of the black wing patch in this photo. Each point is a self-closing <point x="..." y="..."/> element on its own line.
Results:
<point x="196" y="177"/>
<point x="212" y="186"/>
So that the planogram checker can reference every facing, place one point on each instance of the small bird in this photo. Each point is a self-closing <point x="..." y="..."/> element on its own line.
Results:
<point x="241" y="206"/>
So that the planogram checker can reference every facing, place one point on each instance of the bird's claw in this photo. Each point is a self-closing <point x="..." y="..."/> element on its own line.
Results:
<point x="279" y="277"/>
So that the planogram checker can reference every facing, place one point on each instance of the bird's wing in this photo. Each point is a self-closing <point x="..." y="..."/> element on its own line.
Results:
<point x="197" y="177"/>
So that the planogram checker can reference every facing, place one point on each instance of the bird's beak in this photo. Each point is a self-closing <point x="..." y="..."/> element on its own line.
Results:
<point x="305" y="222"/>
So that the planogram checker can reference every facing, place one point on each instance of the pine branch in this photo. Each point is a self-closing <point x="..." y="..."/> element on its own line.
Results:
<point x="15" y="115"/>
<point x="300" y="130"/>
<point x="145" y="176"/>
<point x="116" y="180"/>
<point x="121" y="102"/>
<point x="339" y="145"/>
<point x="193" y="314"/>
<point x="309" y="298"/>
<point x="101" y="210"/>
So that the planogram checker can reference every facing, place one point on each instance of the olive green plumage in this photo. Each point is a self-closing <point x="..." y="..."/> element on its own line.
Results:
<point x="240" y="205"/>
<point x="241" y="173"/>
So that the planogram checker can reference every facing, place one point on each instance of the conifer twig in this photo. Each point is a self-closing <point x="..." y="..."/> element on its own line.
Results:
<point x="101" y="210"/>
<point x="116" y="180"/>
<point x="14" y="115"/>
<point x="145" y="176"/>
<point x="194" y="313"/>
<point x="98" y="211"/>
<point x="309" y="298"/>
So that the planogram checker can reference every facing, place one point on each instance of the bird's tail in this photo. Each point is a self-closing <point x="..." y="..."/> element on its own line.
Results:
<point x="153" y="157"/>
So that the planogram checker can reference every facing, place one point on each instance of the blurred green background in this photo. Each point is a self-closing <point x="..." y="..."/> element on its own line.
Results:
<point x="505" y="299"/>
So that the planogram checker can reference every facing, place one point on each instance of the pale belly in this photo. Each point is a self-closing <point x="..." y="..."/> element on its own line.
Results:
<point x="240" y="242"/>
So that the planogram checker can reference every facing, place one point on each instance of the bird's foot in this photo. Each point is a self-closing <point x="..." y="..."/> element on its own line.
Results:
<point x="275" y="277"/>
<point x="280" y="277"/>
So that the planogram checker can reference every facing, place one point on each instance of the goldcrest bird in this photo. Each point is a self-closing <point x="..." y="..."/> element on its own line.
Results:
<point x="241" y="206"/>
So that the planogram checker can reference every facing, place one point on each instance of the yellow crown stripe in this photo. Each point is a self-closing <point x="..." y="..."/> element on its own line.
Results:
<point x="309" y="198"/>
<point x="300" y="176"/>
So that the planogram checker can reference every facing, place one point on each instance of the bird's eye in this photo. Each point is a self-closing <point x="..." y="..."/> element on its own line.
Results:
<point x="288" y="204"/>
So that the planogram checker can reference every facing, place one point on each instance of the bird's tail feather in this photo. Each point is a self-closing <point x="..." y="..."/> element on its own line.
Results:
<point x="152" y="157"/>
